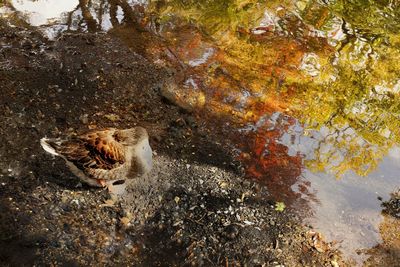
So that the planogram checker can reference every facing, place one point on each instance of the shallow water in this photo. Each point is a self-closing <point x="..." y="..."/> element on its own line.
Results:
<point x="349" y="209"/>
<point x="314" y="85"/>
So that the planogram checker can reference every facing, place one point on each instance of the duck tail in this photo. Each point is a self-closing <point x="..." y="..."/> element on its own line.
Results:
<point x="47" y="146"/>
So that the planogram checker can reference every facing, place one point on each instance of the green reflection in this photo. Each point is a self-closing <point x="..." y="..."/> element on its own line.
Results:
<point x="369" y="17"/>
<point x="358" y="89"/>
<point x="336" y="64"/>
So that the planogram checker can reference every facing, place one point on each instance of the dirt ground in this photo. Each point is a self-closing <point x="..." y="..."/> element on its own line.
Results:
<point x="195" y="208"/>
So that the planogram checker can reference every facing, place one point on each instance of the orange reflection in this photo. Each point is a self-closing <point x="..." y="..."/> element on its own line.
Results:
<point x="268" y="161"/>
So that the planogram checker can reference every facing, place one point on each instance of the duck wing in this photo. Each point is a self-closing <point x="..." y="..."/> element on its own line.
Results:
<point x="93" y="153"/>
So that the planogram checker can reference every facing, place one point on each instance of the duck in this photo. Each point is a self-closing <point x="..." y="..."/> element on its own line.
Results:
<point x="103" y="157"/>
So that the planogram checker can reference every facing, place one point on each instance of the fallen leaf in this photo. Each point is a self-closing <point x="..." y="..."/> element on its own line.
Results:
<point x="280" y="206"/>
<point x="125" y="220"/>
<point x="108" y="203"/>
<point x="112" y="117"/>
<point x="177" y="199"/>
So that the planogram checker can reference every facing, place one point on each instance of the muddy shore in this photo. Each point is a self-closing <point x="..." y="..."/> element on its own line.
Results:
<point x="195" y="208"/>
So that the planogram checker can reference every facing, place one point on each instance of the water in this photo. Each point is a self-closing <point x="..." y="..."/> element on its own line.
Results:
<point x="349" y="209"/>
<point x="44" y="12"/>
<point x="314" y="85"/>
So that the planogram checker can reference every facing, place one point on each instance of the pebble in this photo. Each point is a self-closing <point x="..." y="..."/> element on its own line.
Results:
<point x="231" y="231"/>
<point x="84" y="118"/>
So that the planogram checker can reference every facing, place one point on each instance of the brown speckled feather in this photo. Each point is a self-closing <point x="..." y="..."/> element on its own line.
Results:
<point x="97" y="150"/>
<point x="104" y="155"/>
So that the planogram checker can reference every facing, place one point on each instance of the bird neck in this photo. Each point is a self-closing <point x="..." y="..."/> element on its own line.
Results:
<point x="142" y="157"/>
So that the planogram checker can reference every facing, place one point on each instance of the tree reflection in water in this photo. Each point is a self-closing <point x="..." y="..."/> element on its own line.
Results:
<point x="95" y="16"/>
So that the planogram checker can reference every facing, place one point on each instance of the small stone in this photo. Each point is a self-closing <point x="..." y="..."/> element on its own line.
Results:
<point x="84" y="118"/>
<point x="223" y="185"/>
<point x="125" y="220"/>
<point x="334" y="263"/>
<point x="248" y="222"/>
<point x="231" y="231"/>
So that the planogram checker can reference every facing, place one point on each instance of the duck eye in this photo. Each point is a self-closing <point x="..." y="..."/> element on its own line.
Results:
<point x="119" y="182"/>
